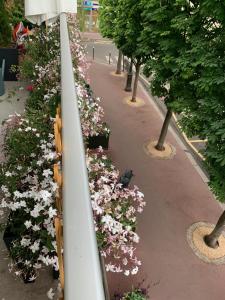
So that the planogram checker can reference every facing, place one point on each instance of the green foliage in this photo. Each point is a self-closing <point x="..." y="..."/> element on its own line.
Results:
<point x="128" y="29"/>
<point x="16" y="13"/>
<point x="165" y="42"/>
<point x="122" y="21"/>
<point x="5" y="29"/>
<point x="137" y="294"/>
<point x="107" y="15"/>
<point x="202" y="63"/>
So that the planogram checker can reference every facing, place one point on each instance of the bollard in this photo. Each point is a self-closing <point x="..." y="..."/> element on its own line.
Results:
<point x="2" y="85"/>
<point x="93" y="52"/>
<point x="109" y="58"/>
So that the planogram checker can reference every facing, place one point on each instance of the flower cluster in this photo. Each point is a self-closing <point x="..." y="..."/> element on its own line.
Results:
<point x="115" y="209"/>
<point x="28" y="192"/>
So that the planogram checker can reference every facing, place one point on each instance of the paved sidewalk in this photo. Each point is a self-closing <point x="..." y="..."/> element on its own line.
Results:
<point x="175" y="193"/>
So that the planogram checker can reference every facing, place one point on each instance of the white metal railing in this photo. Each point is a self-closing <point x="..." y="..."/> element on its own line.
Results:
<point x="83" y="278"/>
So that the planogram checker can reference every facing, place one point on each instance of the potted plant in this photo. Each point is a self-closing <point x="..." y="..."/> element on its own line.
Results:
<point x="8" y="50"/>
<point x="101" y="139"/>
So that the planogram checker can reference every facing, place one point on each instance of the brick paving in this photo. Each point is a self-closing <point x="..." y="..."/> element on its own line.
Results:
<point x="175" y="193"/>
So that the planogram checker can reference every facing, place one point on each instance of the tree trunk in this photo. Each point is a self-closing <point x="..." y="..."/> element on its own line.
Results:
<point x="128" y="87"/>
<point x="119" y="63"/>
<point x="211" y="240"/>
<point x="138" y="66"/>
<point x="162" y="137"/>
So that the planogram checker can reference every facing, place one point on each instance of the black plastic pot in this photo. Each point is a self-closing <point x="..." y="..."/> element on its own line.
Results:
<point x="26" y="278"/>
<point x="8" y="238"/>
<point x="11" y="56"/>
<point x="55" y="274"/>
<point x="99" y="140"/>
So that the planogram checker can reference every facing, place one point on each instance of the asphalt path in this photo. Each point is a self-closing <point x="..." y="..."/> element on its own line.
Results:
<point x="102" y="51"/>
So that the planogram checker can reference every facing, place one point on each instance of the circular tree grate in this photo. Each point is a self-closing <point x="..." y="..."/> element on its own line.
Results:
<point x="195" y="237"/>
<point x="167" y="153"/>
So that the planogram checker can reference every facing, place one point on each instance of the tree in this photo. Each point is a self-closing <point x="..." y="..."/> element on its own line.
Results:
<point x="128" y="28"/>
<point x="163" y="36"/>
<point x="107" y="16"/>
<point x="5" y="30"/>
<point x="204" y="70"/>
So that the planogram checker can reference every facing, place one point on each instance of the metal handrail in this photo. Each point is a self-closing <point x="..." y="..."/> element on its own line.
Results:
<point x="83" y="278"/>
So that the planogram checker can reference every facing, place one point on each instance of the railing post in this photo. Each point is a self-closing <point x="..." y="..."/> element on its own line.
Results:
<point x="83" y="278"/>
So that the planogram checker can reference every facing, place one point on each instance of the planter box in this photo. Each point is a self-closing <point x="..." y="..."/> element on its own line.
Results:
<point x="11" y="57"/>
<point x="100" y="140"/>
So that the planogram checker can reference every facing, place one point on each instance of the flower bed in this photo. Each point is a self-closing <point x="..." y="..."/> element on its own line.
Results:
<point x="26" y="178"/>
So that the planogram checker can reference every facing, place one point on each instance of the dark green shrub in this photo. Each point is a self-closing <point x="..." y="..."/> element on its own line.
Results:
<point x="5" y="29"/>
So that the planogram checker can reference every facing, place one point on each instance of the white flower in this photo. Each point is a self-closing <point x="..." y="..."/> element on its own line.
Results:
<point x="45" y="195"/>
<point x="134" y="271"/>
<point x="32" y="278"/>
<point x="4" y="189"/>
<point x="35" y="212"/>
<point x="8" y="174"/>
<point x="39" y="162"/>
<point x="136" y="238"/>
<point x="28" y="224"/>
<point x="110" y="267"/>
<point x="33" y="155"/>
<point x="19" y="167"/>
<point x="52" y="212"/>
<point x="47" y="172"/>
<point x="36" y="228"/>
<point x="17" y="194"/>
<point x="35" y="246"/>
<point x="127" y="272"/>
<point x="25" y="242"/>
<point x="50" y="156"/>
<point x="50" y="294"/>
<point x="51" y="229"/>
